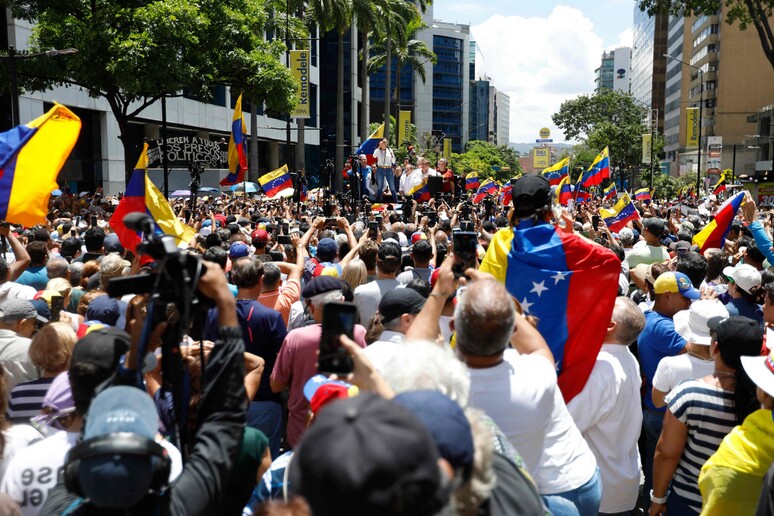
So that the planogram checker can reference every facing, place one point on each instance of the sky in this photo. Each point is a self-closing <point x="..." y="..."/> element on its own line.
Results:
<point x="540" y="52"/>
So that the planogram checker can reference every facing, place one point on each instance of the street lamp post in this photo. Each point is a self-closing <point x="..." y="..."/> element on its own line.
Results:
<point x="701" y="113"/>
<point x="12" y="56"/>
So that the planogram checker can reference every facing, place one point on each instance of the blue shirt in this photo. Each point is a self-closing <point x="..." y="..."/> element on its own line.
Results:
<point x="745" y="308"/>
<point x="657" y="340"/>
<point x="263" y="330"/>
<point x="35" y="277"/>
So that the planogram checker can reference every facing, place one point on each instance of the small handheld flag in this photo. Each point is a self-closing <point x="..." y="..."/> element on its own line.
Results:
<point x="486" y="188"/>
<point x="556" y="172"/>
<point x="610" y="192"/>
<point x="276" y="181"/>
<point x="471" y="181"/>
<point x="714" y="234"/>
<point x="643" y="195"/>
<point x="420" y="192"/>
<point x="621" y="214"/>
<point x="599" y="169"/>
<point x="720" y="186"/>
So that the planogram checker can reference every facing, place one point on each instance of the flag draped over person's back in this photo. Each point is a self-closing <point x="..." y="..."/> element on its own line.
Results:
<point x="556" y="172"/>
<point x="31" y="157"/>
<point x="369" y="146"/>
<point x="143" y="196"/>
<point x="714" y="234"/>
<point x="276" y="181"/>
<point x="621" y="214"/>
<point x="237" y="158"/>
<point x="599" y="170"/>
<point x="568" y="283"/>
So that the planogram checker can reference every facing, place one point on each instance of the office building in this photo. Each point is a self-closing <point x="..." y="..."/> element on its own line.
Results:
<point x="503" y="118"/>
<point x="478" y="128"/>
<point x="614" y="71"/>
<point x="648" y="69"/>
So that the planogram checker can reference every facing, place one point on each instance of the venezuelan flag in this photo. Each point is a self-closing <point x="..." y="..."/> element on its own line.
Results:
<point x="621" y="214"/>
<point x="486" y="188"/>
<point x="599" y="169"/>
<point x="369" y="146"/>
<point x="506" y="195"/>
<point x="31" y="157"/>
<point x="471" y="181"/>
<point x="143" y="196"/>
<point x="564" y="191"/>
<point x="276" y="181"/>
<point x="421" y="192"/>
<point x="610" y="192"/>
<point x="720" y="186"/>
<point x="237" y="158"/>
<point x="568" y="283"/>
<point x="556" y="172"/>
<point x="714" y="234"/>
<point x="643" y="195"/>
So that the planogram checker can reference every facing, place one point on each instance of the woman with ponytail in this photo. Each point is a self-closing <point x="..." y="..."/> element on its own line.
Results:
<point x="701" y="412"/>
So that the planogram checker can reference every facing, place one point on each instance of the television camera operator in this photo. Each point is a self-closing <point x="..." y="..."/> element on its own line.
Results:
<point x="117" y="470"/>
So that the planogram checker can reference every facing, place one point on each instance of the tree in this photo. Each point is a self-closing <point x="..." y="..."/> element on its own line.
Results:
<point x="742" y="12"/>
<point x="335" y="15"/>
<point x="498" y="162"/>
<point x="133" y="53"/>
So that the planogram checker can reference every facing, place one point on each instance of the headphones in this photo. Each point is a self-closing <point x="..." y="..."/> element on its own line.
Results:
<point x="118" y="443"/>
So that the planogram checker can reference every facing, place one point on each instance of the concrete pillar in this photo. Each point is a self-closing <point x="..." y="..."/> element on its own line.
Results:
<point x="273" y="155"/>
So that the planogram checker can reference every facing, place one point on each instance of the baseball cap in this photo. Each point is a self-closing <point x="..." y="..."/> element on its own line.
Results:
<point x="341" y="465"/>
<point x="112" y="265"/>
<point x="680" y="246"/>
<point x="446" y="422"/>
<point x="389" y="251"/>
<point x="101" y="347"/>
<point x="15" y="309"/>
<point x="692" y="324"/>
<point x="741" y="332"/>
<point x="675" y="282"/>
<point x="399" y="301"/>
<point x="111" y="244"/>
<point x="106" y="310"/>
<point x="319" y="390"/>
<point x="654" y="225"/>
<point x="238" y="250"/>
<point x="417" y="236"/>
<point x="761" y="371"/>
<point x="118" y="480"/>
<point x="320" y="285"/>
<point x="530" y="193"/>
<point x="626" y="234"/>
<point x="744" y="275"/>
<point x="70" y="246"/>
<point x="260" y="234"/>
<point x="42" y="308"/>
<point x="327" y="250"/>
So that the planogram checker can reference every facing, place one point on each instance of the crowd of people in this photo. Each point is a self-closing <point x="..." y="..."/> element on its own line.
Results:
<point x="458" y="400"/>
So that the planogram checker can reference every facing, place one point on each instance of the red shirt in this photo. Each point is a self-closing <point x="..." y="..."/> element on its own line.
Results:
<point x="448" y="179"/>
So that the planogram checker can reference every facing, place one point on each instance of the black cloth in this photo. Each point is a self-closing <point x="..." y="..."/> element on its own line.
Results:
<point x="514" y="492"/>
<point x="221" y="422"/>
<point x="766" y="499"/>
<point x="88" y="256"/>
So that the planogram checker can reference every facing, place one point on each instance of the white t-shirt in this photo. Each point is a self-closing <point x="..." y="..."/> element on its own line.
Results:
<point x="17" y="438"/>
<point x="368" y="296"/>
<point x="384" y="350"/>
<point x="609" y="415"/>
<point x="672" y="371"/>
<point x="647" y="254"/>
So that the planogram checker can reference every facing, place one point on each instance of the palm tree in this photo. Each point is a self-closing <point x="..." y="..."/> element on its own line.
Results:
<point x="368" y="17"/>
<point x="407" y="50"/>
<point x="335" y="15"/>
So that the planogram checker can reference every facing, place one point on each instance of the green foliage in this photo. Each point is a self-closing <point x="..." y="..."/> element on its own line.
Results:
<point x="499" y="162"/>
<point x="665" y="186"/>
<point x="744" y="13"/>
<point x="132" y="53"/>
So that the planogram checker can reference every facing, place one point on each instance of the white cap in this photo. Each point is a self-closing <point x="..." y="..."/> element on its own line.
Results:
<point x="745" y="276"/>
<point x="761" y="371"/>
<point x="691" y="324"/>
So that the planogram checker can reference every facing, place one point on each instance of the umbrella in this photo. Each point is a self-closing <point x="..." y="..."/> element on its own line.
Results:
<point x="181" y="193"/>
<point x="242" y="187"/>
<point x="209" y="190"/>
<point x="56" y="193"/>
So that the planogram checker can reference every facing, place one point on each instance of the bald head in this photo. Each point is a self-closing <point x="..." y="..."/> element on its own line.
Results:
<point x="485" y="308"/>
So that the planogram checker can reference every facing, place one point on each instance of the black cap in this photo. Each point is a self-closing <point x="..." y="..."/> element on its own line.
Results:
<point x="70" y="246"/>
<point x="743" y="332"/>
<point x="320" y="285"/>
<point x="655" y="226"/>
<point x="389" y="250"/>
<point x="368" y="455"/>
<point x="102" y="347"/>
<point x="530" y="193"/>
<point x="400" y="301"/>
<point x="40" y="234"/>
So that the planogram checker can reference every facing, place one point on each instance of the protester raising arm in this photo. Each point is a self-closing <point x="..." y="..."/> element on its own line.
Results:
<point x="762" y="240"/>
<point x="19" y="251"/>
<point x="425" y="325"/>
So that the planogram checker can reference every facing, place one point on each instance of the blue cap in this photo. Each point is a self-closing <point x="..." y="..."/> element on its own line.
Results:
<point x="106" y="310"/>
<point x="327" y="250"/>
<point x="238" y="250"/>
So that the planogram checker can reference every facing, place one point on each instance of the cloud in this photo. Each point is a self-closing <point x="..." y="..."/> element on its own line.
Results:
<point x="539" y="63"/>
<point x="625" y="39"/>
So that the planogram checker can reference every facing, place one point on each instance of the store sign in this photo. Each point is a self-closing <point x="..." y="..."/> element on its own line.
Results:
<point x="766" y="193"/>
<point x="299" y="67"/>
<point x="183" y="150"/>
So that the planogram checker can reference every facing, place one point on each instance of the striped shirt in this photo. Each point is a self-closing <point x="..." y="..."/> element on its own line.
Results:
<point x="27" y="399"/>
<point x="708" y="412"/>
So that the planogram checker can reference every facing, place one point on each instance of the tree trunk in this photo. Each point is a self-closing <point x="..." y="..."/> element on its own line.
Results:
<point x="387" y="87"/>
<point x="340" y="113"/>
<point x="397" y="104"/>
<point x="252" y="173"/>
<point x="300" y="138"/>
<point x="365" y="104"/>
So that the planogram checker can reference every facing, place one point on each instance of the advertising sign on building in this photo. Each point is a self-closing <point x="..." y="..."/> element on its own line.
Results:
<point x="299" y="67"/>
<point x="766" y="193"/>
<point x="647" y="140"/>
<point x="404" y="126"/>
<point x="540" y="158"/>
<point x="692" y="127"/>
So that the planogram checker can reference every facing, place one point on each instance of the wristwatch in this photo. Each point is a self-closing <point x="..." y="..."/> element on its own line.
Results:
<point x="659" y="500"/>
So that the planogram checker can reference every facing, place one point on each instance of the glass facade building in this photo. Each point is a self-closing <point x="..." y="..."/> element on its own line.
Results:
<point x="448" y="95"/>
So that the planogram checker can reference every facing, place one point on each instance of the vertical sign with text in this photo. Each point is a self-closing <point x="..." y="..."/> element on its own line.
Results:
<point x="692" y="127"/>
<point x="299" y="67"/>
<point x="404" y="126"/>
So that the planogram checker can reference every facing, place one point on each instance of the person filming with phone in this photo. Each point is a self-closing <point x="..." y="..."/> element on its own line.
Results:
<point x="297" y="359"/>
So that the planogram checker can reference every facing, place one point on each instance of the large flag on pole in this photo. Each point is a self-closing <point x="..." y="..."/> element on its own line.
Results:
<point x="369" y="146"/>
<point x="31" y="157"/>
<point x="237" y="158"/>
<point x="714" y="234"/>
<point x="599" y="169"/>
<point x="621" y="214"/>
<point x="143" y="196"/>
<point x="556" y="172"/>
<point x="568" y="283"/>
<point x="564" y="192"/>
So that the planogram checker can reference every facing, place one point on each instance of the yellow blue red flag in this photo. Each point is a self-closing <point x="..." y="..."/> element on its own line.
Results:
<point x="599" y="169"/>
<point x="276" y="181"/>
<point x="369" y="146"/>
<point x="556" y="172"/>
<point x="31" y="157"/>
<point x="237" y="158"/>
<point x="621" y="214"/>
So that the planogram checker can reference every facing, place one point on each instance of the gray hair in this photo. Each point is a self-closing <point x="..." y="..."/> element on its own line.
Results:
<point x="57" y="268"/>
<point x="332" y="296"/>
<point x="470" y="495"/>
<point x="425" y="365"/>
<point x="630" y="320"/>
<point x="271" y="274"/>
<point x="76" y="273"/>
<point x="485" y="308"/>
